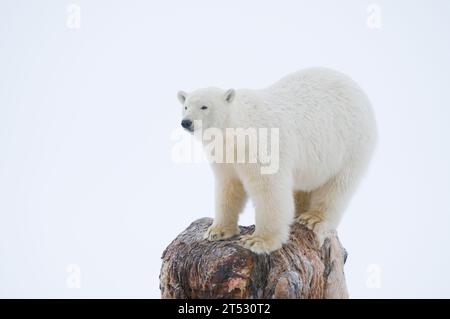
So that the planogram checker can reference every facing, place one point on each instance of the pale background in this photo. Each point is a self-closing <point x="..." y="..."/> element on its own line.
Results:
<point x="86" y="117"/>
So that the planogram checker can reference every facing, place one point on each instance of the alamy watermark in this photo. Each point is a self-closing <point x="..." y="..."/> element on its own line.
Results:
<point x="374" y="273"/>
<point x="73" y="20"/>
<point x="250" y="145"/>
<point x="73" y="280"/>
<point x="373" y="20"/>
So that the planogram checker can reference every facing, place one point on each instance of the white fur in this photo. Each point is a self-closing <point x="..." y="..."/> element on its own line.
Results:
<point x="327" y="136"/>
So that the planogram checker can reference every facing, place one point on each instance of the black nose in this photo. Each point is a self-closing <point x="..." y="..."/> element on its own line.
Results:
<point x="186" y="123"/>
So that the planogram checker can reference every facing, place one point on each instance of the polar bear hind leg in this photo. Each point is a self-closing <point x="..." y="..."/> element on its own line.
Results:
<point x="302" y="202"/>
<point x="328" y="202"/>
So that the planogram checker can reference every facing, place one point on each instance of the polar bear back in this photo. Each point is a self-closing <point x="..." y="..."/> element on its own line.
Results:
<point x="325" y="121"/>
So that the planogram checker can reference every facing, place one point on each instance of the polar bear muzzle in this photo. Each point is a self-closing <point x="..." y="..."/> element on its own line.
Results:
<point x="187" y="124"/>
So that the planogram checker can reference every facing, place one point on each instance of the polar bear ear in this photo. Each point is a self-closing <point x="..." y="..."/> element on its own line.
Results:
<point x="182" y="96"/>
<point x="229" y="95"/>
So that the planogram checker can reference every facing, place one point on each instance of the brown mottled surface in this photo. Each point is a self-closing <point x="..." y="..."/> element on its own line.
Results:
<point x="196" y="268"/>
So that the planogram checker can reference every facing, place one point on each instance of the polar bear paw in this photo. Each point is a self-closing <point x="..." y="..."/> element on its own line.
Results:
<point x="315" y="222"/>
<point x="259" y="244"/>
<point x="220" y="232"/>
<point x="311" y="220"/>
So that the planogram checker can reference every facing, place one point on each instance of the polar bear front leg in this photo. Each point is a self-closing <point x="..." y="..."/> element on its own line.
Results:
<point x="274" y="208"/>
<point x="230" y="201"/>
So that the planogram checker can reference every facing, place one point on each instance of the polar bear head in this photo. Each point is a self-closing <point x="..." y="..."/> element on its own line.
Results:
<point x="209" y="105"/>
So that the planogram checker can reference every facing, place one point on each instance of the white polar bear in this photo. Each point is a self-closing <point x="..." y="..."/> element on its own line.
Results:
<point x="327" y="134"/>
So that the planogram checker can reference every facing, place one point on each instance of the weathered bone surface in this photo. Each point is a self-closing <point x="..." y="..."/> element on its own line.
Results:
<point x="196" y="268"/>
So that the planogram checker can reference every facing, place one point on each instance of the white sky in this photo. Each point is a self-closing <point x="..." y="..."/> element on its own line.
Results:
<point x="86" y="117"/>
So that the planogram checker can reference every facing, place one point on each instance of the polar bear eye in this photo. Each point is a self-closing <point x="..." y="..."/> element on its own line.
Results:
<point x="185" y="107"/>
<point x="204" y="107"/>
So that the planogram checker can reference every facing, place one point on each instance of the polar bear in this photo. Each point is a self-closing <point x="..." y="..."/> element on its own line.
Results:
<point x="327" y="134"/>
